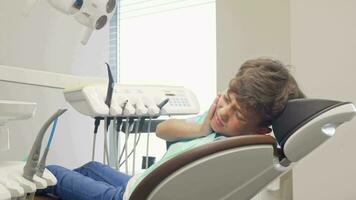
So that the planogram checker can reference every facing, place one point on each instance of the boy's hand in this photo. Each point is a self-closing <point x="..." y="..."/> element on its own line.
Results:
<point x="176" y="129"/>
<point x="205" y="128"/>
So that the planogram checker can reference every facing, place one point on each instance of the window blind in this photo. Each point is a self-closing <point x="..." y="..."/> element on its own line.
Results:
<point x="137" y="8"/>
<point x="113" y="44"/>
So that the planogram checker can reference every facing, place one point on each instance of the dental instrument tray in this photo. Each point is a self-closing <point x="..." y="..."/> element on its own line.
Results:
<point x="132" y="100"/>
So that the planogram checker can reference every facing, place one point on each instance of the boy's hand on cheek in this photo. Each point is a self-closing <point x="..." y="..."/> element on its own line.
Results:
<point x="205" y="128"/>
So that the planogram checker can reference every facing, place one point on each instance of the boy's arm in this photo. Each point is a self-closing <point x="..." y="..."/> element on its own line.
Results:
<point x="176" y="129"/>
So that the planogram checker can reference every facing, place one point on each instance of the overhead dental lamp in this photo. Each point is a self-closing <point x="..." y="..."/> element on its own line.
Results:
<point x="93" y="14"/>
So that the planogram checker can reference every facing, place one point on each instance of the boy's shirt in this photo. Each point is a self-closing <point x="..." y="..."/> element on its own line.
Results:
<point x="174" y="150"/>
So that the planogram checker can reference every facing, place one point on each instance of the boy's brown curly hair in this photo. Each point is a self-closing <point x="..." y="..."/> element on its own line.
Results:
<point x="264" y="86"/>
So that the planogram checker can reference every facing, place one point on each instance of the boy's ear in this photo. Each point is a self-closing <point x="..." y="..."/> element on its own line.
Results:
<point x="263" y="130"/>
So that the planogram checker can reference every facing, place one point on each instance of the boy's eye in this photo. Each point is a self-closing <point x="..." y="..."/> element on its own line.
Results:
<point x="239" y="117"/>
<point x="226" y="98"/>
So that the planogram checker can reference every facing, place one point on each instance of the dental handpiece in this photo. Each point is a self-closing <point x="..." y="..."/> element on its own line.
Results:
<point x="140" y="108"/>
<point x="31" y="164"/>
<point x="129" y="110"/>
<point x="152" y="108"/>
<point x="42" y="164"/>
<point x="163" y="103"/>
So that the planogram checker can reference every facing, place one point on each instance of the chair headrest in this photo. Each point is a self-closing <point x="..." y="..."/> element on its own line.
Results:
<point x="297" y="113"/>
<point x="302" y="117"/>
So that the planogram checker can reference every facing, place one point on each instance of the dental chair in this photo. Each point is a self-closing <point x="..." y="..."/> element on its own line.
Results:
<point x="237" y="168"/>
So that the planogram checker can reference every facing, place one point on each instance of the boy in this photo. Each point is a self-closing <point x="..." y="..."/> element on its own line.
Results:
<point x="255" y="96"/>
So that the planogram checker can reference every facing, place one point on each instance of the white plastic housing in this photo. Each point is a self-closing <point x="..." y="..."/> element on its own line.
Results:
<point x="182" y="101"/>
<point x="235" y="175"/>
<point x="11" y="180"/>
<point x="4" y="138"/>
<point x="16" y="110"/>
<point x="88" y="100"/>
<point x="317" y="131"/>
<point x="68" y="7"/>
<point x="4" y="193"/>
<point x="12" y="110"/>
<point x="142" y="100"/>
<point x="94" y="15"/>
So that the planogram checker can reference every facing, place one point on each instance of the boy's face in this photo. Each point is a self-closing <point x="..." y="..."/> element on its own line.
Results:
<point x="231" y="119"/>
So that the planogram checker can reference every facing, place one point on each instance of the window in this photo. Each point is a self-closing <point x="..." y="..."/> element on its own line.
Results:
<point x="167" y="42"/>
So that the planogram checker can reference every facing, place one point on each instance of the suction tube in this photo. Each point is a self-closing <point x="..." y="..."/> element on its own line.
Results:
<point x="29" y="169"/>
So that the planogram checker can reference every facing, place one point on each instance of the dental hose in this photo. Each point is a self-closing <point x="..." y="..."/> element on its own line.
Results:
<point x="107" y="121"/>
<point x="105" y="152"/>
<point x="127" y="132"/>
<point x="160" y="106"/>
<point x="136" y="141"/>
<point x="134" y="148"/>
<point x="96" y="126"/>
<point x="124" y="148"/>
<point x="31" y="196"/>
<point x="163" y="103"/>
<point x="139" y="135"/>
<point x="115" y="142"/>
<point x="117" y="130"/>
<point x="148" y="140"/>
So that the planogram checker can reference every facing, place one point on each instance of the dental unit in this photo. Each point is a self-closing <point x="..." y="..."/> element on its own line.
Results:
<point x="133" y="108"/>
<point x="20" y="180"/>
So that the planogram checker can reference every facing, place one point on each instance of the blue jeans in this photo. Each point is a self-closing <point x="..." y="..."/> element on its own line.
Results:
<point x="91" y="181"/>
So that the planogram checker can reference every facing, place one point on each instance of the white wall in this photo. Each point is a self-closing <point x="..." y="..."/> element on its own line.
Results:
<point x="250" y="29"/>
<point x="318" y="39"/>
<point x="323" y="51"/>
<point x="48" y="40"/>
